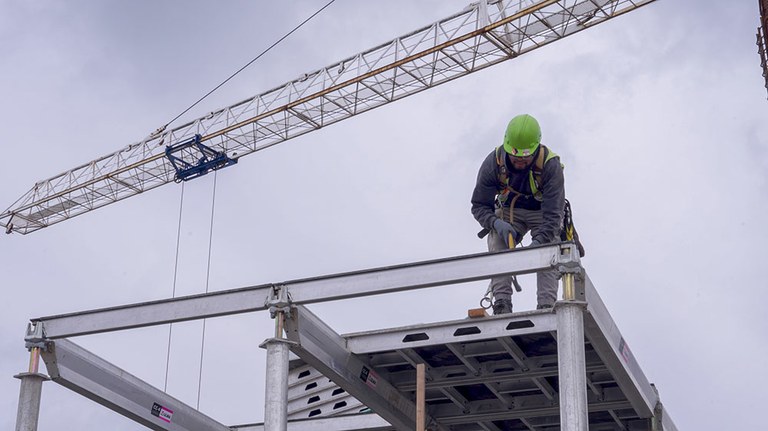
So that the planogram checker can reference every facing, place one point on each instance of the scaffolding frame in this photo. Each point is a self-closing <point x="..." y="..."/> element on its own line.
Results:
<point x="588" y="343"/>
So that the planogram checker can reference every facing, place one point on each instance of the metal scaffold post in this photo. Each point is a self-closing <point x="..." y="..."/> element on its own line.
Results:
<point x="30" y="393"/>
<point x="571" y="361"/>
<point x="276" y="387"/>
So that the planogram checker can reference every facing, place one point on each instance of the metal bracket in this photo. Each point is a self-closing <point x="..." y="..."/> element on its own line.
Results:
<point x="568" y="265"/>
<point x="35" y="337"/>
<point x="279" y="300"/>
<point x="569" y="260"/>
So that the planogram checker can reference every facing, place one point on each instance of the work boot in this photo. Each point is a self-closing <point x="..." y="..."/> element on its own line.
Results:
<point x="502" y="306"/>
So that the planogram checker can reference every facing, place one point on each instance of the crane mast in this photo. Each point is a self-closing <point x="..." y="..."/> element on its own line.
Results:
<point x="483" y="34"/>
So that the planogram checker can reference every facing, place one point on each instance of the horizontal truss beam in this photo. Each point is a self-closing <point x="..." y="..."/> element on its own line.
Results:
<point x="367" y="422"/>
<point x="318" y="345"/>
<point x="451" y="332"/>
<point x="91" y="376"/>
<point x="604" y="335"/>
<point x="307" y="291"/>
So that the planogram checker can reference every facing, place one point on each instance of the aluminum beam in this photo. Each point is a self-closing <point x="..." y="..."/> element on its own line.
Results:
<point x="307" y="291"/>
<point x="453" y="331"/>
<point x="508" y="380"/>
<point x="368" y="422"/>
<point x="526" y="407"/>
<point x="321" y="347"/>
<point x="85" y="373"/>
<point x="452" y="394"/>
<point x="605" y="337"/>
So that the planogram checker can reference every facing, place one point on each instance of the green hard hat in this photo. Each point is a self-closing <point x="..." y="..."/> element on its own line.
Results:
<point x="523" y="136"/>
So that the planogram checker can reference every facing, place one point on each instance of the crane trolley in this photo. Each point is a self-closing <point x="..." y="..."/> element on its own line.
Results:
<point x="193" y="159"/>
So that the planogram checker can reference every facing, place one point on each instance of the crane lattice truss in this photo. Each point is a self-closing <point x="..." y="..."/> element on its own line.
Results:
<point x="762" y="39"/>
<point x="482" y="35"/>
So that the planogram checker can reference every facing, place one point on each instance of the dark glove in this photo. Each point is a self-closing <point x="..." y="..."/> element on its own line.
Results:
<point x="504" y="230"/>
<point x="535" y="242"/>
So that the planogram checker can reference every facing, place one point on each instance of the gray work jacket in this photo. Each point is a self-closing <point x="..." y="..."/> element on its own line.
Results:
<point x="552" y="188"/>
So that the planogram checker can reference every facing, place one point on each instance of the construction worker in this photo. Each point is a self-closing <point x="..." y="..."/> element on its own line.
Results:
<point x="520" y="188"/>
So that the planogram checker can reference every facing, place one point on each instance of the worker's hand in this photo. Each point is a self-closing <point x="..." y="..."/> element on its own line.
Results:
<point x="504" y="230"/>
<point x="535" y="242"/>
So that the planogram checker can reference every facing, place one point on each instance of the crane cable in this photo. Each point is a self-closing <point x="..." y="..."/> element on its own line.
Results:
<point x="249" y="63"/>
<point x="207" y="279"/>
<point x="173" y="295"/>
<point x="213" y="204"/>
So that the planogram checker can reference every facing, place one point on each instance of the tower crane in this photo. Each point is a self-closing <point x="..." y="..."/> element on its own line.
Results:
<point x="485" y="33"/>
<point x="762" y="38"/>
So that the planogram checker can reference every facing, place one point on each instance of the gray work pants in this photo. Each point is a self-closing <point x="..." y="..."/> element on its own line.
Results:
<point x="546" y="281"/>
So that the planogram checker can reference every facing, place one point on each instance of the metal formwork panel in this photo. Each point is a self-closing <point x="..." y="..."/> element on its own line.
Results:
<point x="312" y="394"/>
<point x="499" y="373"/>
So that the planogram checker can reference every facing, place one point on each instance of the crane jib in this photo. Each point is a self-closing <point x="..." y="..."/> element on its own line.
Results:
<point x="192" y="159"/>
<point x="471" y="40"/>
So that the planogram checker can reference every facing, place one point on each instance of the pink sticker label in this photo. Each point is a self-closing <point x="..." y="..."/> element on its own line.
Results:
<point x="165" y="414"/>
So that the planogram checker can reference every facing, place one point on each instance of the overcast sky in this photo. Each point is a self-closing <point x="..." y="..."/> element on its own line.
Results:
<point x="659" y="116"/>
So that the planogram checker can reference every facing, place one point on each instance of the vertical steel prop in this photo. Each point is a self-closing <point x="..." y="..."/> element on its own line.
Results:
<point x="29" y="395"/>
<point x="276" y="388"/>
<point x="571" y="362"/>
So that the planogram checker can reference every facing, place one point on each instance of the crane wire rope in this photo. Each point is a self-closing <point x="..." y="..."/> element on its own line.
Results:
<point x="249" y="63"/>
<point x="213" y="203"/>
<point x="207" y="280"/>
<point x="173" y="295"/>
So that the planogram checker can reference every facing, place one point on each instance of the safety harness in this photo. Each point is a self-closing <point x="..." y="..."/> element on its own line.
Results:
<point x="568" y="231"/>
<point x="534" y="174"/>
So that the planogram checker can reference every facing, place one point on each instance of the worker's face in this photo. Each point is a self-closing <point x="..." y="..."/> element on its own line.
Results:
<point x="520" y="162"/>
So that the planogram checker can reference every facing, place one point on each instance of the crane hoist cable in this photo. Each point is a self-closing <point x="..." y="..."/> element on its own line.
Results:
<point x="173" y="294"/>
<point x="196" y="171"/>
<point x="192" y="158"/>
<point x="248" y="64"/>
<point x="207" y="281"/>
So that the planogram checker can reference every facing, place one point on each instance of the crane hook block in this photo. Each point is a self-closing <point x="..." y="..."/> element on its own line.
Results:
<point x="193" y="159"/>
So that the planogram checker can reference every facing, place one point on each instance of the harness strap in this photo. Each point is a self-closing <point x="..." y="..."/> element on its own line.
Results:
<point x="544" y="154"/>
